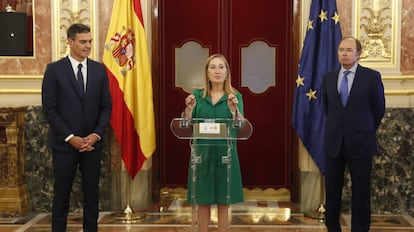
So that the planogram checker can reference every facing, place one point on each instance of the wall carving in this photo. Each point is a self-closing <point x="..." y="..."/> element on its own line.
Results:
<point x="67" y="13"/>
<point x="377" y="25"/>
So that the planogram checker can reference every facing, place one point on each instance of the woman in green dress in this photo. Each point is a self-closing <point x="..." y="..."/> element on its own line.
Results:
<point x="218" y="99"/>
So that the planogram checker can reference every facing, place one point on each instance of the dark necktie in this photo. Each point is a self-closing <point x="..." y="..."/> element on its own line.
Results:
<point x="343" y="89"/>
<point x="80" y="79"/>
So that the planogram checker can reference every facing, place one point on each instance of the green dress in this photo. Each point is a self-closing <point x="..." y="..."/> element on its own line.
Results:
<point x="211" y="183"/>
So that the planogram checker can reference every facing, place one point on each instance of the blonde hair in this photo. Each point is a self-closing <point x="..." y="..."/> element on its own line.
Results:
<point x="228" y="88"/>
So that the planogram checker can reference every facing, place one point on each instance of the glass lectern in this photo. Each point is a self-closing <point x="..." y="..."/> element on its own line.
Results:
<point x="206" y="136"/>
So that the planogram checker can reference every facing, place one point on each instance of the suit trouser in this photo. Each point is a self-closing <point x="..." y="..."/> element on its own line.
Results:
<point x="65" y="168"/>
<point x="360" y="170"/>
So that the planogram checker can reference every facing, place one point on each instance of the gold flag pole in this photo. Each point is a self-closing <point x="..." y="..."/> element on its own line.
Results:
<point x="319" y="213"/>
<point x="128" y="215"/>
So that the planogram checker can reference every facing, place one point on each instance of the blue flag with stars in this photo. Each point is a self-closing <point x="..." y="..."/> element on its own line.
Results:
<point x="319" y="55"/>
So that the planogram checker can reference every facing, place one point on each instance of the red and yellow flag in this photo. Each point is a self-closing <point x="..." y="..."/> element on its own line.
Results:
<point x="127" y="62"/>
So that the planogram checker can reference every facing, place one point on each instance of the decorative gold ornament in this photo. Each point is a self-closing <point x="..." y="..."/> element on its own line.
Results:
<point x="376" y="25"/>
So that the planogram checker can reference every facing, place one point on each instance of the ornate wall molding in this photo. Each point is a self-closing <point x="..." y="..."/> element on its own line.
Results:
<point x="19" y="84"/>
<point x="67" y="12"/>
<point x="377" y="24"/>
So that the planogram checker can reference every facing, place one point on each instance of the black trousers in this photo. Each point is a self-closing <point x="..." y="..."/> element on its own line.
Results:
<point x="65" y="169"/>
<point x="360" y="170"/>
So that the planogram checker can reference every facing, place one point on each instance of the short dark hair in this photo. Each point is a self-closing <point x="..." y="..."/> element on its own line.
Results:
<point x="358" y="45"/>
<point x="77" y="28"/>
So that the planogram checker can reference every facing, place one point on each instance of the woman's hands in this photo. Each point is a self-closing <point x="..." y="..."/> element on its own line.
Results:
<point x="190" y="103"/>
<point x="232" y="102"/>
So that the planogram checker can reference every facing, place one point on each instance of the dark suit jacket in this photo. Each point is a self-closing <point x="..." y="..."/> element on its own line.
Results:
<point x="357" y="122"/>
<point x="67" y="111"/>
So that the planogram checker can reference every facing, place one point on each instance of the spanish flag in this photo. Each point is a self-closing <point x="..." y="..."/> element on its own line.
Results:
<point x="127" y="62"/>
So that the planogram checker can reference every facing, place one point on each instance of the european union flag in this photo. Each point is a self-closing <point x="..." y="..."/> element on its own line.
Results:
<point x="319" y="55"/>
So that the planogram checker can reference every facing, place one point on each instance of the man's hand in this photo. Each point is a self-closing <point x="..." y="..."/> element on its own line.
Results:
<point x="83" y="144"/>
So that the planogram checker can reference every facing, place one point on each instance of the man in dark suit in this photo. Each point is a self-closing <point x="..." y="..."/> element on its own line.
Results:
<point x="77" y="104"/>
<point x="354" y="104"/>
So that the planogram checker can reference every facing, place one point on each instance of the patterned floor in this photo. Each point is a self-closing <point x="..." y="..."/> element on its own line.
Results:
<point x="176" y="217"/>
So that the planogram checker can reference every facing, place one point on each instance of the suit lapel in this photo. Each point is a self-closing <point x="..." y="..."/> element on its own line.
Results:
<point x="73" y="81"/>
<point x="335" y="86"/>
<point x="354" y="87"/>
<point x="89" y="77"/>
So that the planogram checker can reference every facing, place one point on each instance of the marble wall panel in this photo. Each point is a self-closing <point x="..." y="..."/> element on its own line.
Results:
<point x="393" y="169"/>
<point x="104" y="16"/>
<point x="407" y="37"/>
<point x="33" y="66"/>
<point x="345" y="16"/>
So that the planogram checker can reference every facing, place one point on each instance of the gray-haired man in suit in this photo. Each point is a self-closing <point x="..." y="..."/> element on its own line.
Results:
<point x="354" y="105"/>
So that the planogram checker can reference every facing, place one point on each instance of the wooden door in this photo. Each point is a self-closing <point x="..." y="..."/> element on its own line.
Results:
<point x="230" y="27"/>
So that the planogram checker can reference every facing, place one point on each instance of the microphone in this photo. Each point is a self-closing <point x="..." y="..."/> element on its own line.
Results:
<point x="236" y="122"/>
<point x="184" y="121"/>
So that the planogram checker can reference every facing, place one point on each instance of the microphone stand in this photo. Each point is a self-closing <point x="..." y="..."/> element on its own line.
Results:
<point x="236" y="122"/>
<point x="184" y="122"/>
